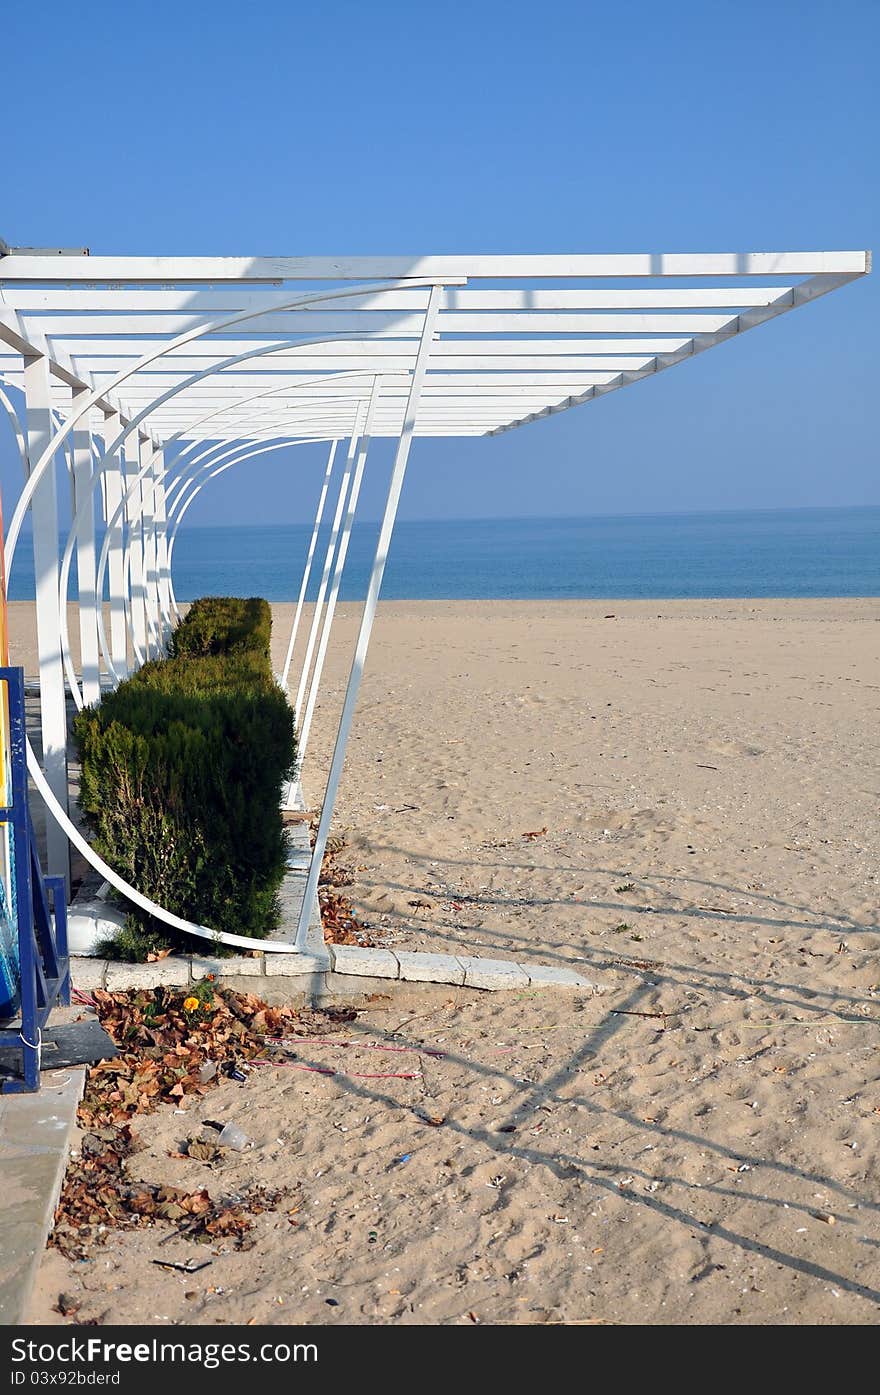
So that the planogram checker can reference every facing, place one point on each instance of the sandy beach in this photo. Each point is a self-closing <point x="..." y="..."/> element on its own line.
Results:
<point x="680" y="799"/>
<point x="717" y="760"/>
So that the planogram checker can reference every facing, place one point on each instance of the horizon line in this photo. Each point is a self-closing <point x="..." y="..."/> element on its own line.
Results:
<point x="574" y="517"/>
<point x="536" y="517"/>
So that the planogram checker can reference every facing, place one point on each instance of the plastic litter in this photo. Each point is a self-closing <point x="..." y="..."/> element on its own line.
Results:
<point x="231" y="1136"/>
<point x="191" y="1266"/>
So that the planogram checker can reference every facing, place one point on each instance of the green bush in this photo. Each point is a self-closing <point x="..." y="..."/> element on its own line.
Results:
<point x="182" y="769"/>
<point x="223" y="625"/>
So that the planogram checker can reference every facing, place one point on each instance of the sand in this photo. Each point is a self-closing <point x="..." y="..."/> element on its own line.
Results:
<point x="707" y="776"/>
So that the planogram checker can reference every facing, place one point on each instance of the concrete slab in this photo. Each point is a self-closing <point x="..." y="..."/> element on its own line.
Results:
<point x="349" y="988"/>
<point x="293" y="887"/>
<point x="419" y="967"/>
<point x="34" y="1141"/>
<point x="173" y="972"/>
<point x="309" y="990"/>
<point x="296" y="965"/>
<point x="88" y="973"/>
<point x="368" y="963"/>
<point x="555" y="976"/>
<point x="238" y="966"/>
<point x="299" y="854"/>
<point x="492" y="974"/>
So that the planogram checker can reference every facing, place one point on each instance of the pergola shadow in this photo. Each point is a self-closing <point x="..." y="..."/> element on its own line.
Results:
<point x="526" y="1098"/>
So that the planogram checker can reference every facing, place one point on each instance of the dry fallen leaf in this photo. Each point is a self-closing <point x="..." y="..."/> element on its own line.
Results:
<point x="162" y="1052"/>
<point x="202" y="1151"/>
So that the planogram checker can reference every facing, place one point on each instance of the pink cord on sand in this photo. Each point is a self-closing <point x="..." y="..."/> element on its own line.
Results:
<point x="365" y="1045"/>
<point x="351" y="1074"/>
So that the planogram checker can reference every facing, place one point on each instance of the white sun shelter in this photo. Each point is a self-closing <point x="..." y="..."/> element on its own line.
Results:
<point x="143" y="378"/>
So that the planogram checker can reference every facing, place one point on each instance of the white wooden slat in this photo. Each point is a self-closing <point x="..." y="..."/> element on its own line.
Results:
<point x="391" y="382"/>
<point x="103" y="269"/>
<point x="559" y="364"/>
<point x="110" y="354"/>
<point x="352" y="322"/>
<point x="214" y="303"/>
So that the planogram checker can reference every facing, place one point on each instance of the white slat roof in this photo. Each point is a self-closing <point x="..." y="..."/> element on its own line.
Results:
<point x="237" y="346"/>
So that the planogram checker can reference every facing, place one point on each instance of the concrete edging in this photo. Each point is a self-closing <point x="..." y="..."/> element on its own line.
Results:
<point x="311" y="970"/>
<point x="318" y="970"/>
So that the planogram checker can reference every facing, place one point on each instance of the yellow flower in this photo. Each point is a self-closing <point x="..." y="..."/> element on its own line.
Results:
<point x="190" y="1004"/>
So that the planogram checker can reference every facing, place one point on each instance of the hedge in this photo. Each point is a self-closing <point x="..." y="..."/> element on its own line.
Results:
<point x="223" y="625"/>
<point x="182" y="770"/>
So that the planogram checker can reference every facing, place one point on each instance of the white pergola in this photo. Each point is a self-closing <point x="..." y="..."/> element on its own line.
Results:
<point x="143" y="378"/>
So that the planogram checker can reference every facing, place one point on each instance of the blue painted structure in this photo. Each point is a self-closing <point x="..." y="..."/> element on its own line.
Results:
<point x="43" y="964"/>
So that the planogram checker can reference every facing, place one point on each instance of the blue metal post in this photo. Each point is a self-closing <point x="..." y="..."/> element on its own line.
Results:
<point x="44" y="965"/>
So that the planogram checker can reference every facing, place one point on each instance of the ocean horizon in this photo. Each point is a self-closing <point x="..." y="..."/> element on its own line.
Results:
<point x="811" y="552"/>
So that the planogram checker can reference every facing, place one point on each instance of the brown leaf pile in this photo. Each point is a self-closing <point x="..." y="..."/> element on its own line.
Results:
<point x="163" y="1047"/>
<point x="98" y="1197"/>
<point x="341" y="925"/>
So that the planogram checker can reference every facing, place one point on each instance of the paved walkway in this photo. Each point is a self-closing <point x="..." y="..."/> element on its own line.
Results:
<point x="34" y="1138"/>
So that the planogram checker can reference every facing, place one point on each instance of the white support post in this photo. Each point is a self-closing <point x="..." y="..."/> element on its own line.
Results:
<point x="136" y="588"/>
<point x="285" y="673"/>
<point x="65" y="454"/>
<point x="369" y="613"/>
<point x="85" y="561"/>
<point x="325" y="575"/>
<point x="113" y="494"/>
<point x="161" y="519"/>
<point x="148" y="531"/>
<point x="341" y="554"/>
<point x="44" y="515"/>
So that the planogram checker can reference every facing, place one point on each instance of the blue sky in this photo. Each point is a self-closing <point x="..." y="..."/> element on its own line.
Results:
<point x="388" y="127"/>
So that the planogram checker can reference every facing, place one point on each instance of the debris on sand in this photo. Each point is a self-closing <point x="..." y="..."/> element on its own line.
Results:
<point x="341" y="925"/>
<point x="165" y="1039"/>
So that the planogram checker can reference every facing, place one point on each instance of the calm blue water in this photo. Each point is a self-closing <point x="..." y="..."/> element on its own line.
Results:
<point x="798" y="552"/>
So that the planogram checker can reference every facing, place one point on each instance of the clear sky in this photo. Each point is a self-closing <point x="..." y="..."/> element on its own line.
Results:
<point x="293" y="128"/>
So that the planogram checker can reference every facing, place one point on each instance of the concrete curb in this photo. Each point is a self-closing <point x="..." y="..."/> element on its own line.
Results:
<point x="321" y="969"/>
<point x="311" y="971"/>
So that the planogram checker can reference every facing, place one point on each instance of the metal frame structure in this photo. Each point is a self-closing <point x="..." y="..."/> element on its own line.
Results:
<point x="43" y="963"/>
<point x="143" y="378"/>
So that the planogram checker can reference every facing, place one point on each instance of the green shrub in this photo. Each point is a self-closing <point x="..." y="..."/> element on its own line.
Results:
<point x="182" y="769"/>
<point x="223" y="625"/>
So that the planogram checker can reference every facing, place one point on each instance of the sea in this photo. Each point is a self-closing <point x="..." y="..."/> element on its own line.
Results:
<point x="768" y="552"/>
